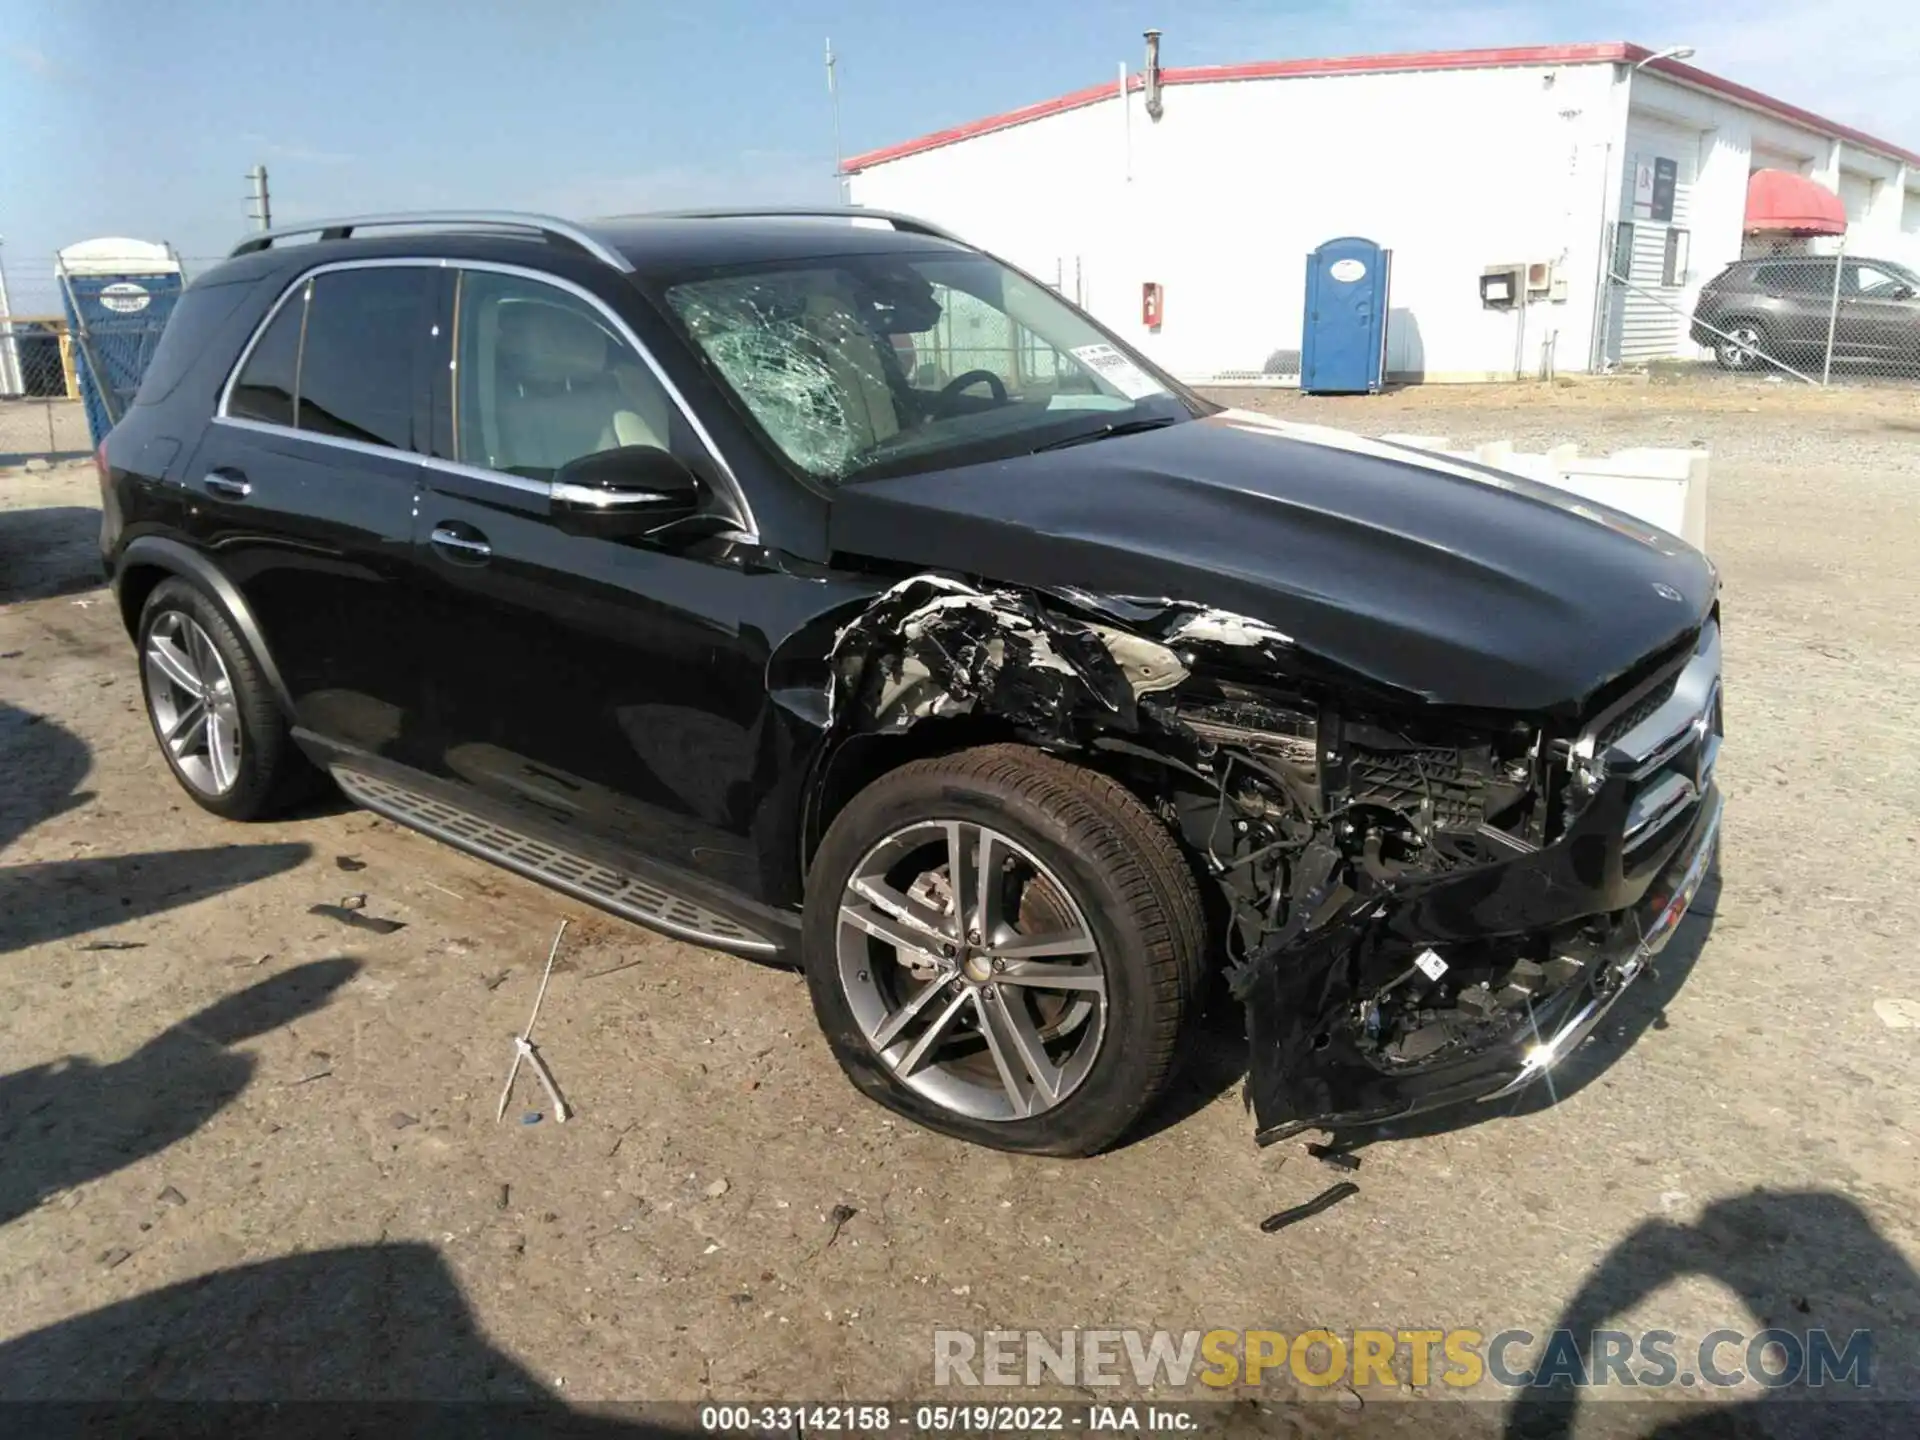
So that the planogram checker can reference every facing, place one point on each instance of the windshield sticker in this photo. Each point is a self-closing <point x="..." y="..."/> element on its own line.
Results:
<point x="1118" y="371"/>
<point x="1087" y="402"/>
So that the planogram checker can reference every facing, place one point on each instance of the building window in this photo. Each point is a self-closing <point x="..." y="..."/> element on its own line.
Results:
<point x="1622" y="265"/>
<point x="1673" y="262"/>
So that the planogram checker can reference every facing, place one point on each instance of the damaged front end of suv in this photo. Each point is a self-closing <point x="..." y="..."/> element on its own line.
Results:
<point x="1418" y="902"/>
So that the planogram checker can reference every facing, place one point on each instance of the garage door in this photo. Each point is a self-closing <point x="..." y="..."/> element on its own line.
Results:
<point x="1651" y="242"/>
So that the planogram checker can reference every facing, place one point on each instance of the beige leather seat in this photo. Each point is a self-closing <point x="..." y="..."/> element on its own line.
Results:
<point x="859" y="371"/>
<point x="563" y="388"/>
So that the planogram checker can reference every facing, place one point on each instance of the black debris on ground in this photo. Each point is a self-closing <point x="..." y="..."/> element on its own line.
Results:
<point x="357" y="919"/>
<point x="1325" y="1200"/>
<point x="1332" y="1155"/>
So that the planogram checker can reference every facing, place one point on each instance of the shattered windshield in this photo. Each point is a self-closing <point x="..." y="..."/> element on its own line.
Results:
<point x="878" y="364"/>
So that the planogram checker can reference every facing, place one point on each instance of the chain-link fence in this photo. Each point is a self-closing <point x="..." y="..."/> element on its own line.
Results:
<point x="40" y="413"/>
<point x="1821" y="319"/>
<point x="35" y="360"/>
<point x="82" y="325"/>
<point x="116" y="313"/>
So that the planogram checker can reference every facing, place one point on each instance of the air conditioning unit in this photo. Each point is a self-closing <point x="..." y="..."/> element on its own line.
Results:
<point x="1502" y="287"/>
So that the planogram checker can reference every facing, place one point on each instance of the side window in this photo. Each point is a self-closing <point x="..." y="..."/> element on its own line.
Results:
<point x="542" y="379"/>
<point x="265" y="388"/>
<point x="365" y="331"/>
<point x="1807" y="279"/>
<point x="1871" y="282"/>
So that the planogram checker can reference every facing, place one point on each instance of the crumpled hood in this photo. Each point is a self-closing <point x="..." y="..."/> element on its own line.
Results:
<point x="1464" y="585"/>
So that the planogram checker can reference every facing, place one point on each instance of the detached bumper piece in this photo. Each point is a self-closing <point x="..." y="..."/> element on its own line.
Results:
<point x="1653" y="924"/>
<point x="1312" y="1066"/>
<point x="1474" y="983"/>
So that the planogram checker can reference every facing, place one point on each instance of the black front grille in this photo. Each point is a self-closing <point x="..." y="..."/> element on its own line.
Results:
<point x="1674" y="706"/>
<point x="1658" y="671"/>
<point x="1690" y="761"/>
<point x="1639" y="710"/>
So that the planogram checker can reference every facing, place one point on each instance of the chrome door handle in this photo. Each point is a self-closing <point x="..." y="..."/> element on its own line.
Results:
<point x="447" y="539"/>
<point x="225" y="482"/>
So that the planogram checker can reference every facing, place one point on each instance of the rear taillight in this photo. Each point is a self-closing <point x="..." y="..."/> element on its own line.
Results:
<point x="100" y="464"/>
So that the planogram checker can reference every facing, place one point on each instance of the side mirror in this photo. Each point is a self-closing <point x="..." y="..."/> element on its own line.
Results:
<point x="620" y="493"/>
<point x="1903" y="292"/>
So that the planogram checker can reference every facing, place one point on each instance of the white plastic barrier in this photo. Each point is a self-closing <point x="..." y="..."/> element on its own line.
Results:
<point x="1667" y="488"/>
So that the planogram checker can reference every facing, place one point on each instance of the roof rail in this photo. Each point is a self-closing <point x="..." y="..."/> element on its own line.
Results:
<point x="560" y="232"/>
<point x="909" y="223"/>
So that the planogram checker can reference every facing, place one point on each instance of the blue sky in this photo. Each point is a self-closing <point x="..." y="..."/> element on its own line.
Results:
<point x="143" y="118"/>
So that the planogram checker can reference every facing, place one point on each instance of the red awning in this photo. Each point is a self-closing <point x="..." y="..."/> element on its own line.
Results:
<point x="1779" y="200"/>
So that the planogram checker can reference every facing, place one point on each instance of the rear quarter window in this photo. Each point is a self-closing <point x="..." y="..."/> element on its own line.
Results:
<point x="196" y="323"/>
<point x="365" y="331"/>
<point x="264" y="389"/>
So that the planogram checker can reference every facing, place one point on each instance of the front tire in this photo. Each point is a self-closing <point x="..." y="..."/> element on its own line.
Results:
<point x="1005" y="948"/>
<point x="212" y="712"/>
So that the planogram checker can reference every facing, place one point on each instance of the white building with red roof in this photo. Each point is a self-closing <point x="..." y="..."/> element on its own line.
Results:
<point x="1578" y="163"/>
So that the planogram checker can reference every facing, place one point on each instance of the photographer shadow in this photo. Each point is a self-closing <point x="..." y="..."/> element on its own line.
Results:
<point x="1799" y="1260"/>
<point x="72" y="1121"/>
<point x="380" y="1333"/>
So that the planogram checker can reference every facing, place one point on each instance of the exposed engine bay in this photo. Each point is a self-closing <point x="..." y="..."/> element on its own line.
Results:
<point x="1405" y="894"/>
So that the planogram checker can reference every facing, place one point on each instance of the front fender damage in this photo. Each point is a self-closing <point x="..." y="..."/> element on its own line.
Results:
<point x="1390" y="911"/>
<point x="932" y="647"/>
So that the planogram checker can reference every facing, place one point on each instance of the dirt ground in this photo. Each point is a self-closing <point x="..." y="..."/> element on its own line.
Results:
<point x="246" y="1151"/>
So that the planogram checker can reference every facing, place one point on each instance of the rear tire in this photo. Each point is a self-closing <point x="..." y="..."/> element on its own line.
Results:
<point x="1071" y="859"/>
<point x="212" y="711"/>
<point x="1744" y="351"/>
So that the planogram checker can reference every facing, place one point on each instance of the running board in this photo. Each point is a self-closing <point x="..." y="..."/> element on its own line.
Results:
<point x="633" y="899"/>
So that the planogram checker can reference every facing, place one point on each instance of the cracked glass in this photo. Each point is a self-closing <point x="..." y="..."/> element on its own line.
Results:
<point x="887" y="363"/>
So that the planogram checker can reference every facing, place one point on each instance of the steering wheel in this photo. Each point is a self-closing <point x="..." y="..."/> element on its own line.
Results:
<point x="993" y="382"/>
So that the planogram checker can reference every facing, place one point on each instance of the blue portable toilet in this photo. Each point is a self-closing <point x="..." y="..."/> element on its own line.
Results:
<point x="118" y="294"/>
<point x="1344" y="348"/>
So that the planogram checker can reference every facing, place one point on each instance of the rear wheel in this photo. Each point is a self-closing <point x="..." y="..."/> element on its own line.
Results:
<point x="211" y="709"/>
<point x="1005" y="948"/>
<point x="1742" y="347"/>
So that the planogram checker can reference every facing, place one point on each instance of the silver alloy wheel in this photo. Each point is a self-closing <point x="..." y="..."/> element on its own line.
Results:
<point x="971" y="970"/>
<point x="191" y="698"/>
<point x="1741" y="347"/>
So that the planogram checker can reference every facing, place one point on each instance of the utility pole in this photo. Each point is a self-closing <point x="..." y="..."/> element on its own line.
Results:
<point x="833" y="94"/>
<point x="259" y="206"/>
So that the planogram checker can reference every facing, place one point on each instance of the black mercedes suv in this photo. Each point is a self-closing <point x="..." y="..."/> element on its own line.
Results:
<point x="815" y="586"/>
